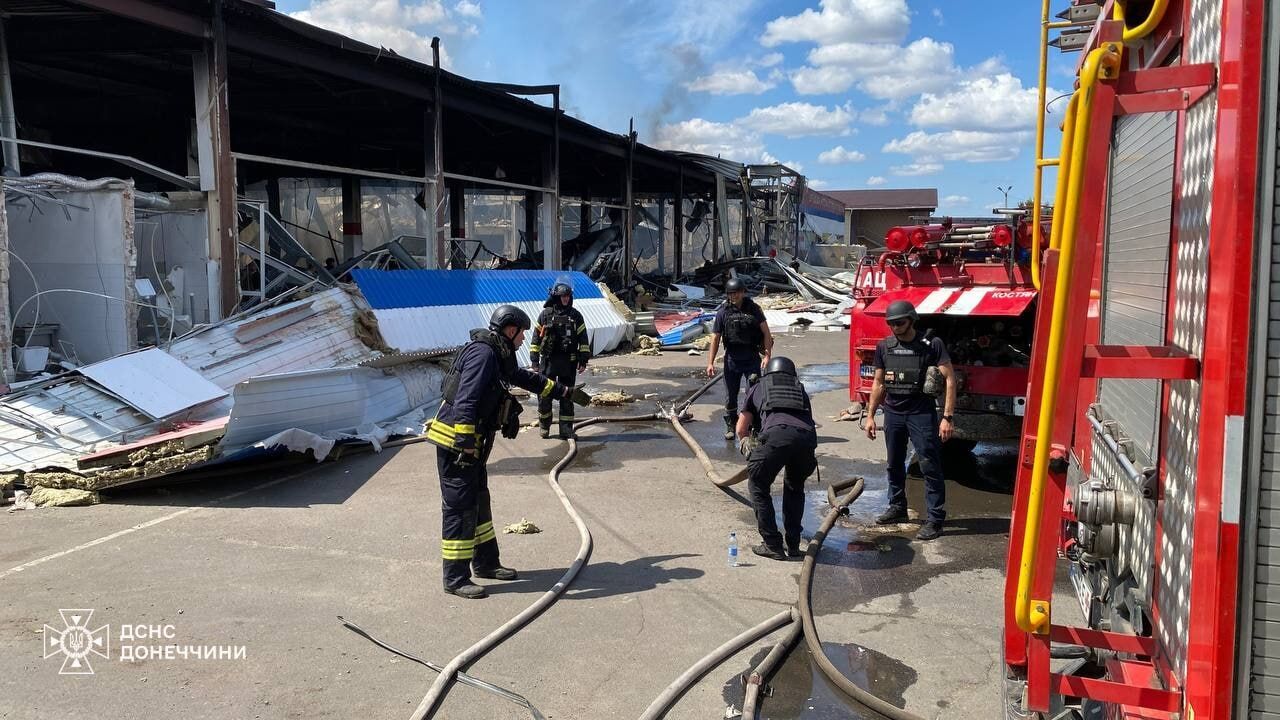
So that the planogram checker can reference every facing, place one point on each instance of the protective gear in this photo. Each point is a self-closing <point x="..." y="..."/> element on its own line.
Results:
<point x="580" y="396"/>
<point x="741" y="328"/>
<point x="731" y="424"/>
<point x="508" y="315"/>
<point x="900" y="309"/>
<point x="497" y="573"/>
<point x="779" y="391"/>
<point x="734" y="285"/>
<point x="746" y="445"/>
<point x="559" y="335"/>
<point x="561" y="289"/>
<point x="468" y="592"/>
<point x="905" y="367"/>
<point x="509" y="412"/>
<point x="780" y="365"/>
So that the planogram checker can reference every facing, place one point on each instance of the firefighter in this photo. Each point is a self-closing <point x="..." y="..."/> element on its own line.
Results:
<point x="788" y="440"/>
<point x="559" y="349"/>
<point x="740" y="323"/>
<point x="477" y="404"/>
<point x="902" y="361"/>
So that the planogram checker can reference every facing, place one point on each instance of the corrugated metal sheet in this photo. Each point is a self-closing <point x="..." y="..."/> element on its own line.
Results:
<point x="1136" y="265"/>
<point x="154" y="382"/>
<point x="385" y="289"/>
<point x="416" y="329"/>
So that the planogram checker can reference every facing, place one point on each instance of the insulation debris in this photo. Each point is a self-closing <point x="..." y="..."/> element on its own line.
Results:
<point x="646" y="345"/>
<point x="610" y="398"/>
<point x="142" y="455"/>
<point x="57" y="480"/>
<point x="524" y="527"/>
<point x="53" y="497"/>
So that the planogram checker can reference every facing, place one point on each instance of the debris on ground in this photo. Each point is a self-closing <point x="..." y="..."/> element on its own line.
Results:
<point x="21" y="501"/>
<point x="610" y="398"/>
<point x="853" y="413"/>
<point x="54" y="497"/>
<point x="646" y="345"/>
<point x="524" y="527"/>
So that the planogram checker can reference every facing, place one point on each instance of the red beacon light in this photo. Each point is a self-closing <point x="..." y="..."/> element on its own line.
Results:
<point x="1002" y="236"/>
<point x="897" y="240"/>
<point x="919" y="237"/>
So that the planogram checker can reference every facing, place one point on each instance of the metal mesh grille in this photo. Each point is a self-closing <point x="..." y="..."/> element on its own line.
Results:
<point x="1181" y="447"/>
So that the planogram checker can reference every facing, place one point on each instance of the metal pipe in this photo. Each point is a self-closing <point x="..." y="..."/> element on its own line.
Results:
<point x="8" y="114"/>
<point x="1038" y="184"/>
<point x="496" y="183"/>
<point x="1136" y="475"/>
<point x="766" y="668"/>
<point x="335" y="169"/>
<point x="659" y="707"/>
<point x="1132" y="35"/>
<point x="146" y="200"/>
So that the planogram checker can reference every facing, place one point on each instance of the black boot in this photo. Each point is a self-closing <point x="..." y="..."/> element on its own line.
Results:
<point x="468" y="591"/>
<point x="498" y="573"/>
<point x="892" y="516"/>
<point x="566" y="431"/>
<point x="544" y="431"/>
<point x="730" y="425"/>
<point x="770" y="552"/>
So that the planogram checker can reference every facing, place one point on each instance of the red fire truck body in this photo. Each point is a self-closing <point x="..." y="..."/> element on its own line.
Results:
<point x="1149" y="470"/>
<point x="977" y="299"/>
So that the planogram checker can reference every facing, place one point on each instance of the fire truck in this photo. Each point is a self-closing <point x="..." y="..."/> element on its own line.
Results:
<point x="972" y="286"/>
<point x="1143" y="576"/>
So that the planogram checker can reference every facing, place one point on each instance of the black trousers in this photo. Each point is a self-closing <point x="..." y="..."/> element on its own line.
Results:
<point x="922" y="429"/>
<point x="781" y="447"/>
<point x="737" y="366"/>
<point x="467" y="537"/>
<point x="563" y="370"/>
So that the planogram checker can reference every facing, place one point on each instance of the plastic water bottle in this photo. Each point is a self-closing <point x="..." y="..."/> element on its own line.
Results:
<point x="733" y="549"/>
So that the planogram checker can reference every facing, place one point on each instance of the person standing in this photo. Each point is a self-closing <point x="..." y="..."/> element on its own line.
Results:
<point x="560" y="349"/>
<point x="740" y="323"/>
<point x="477" y="404"/>
<point x="788" y="440"/>
<point x="901" y="363"/>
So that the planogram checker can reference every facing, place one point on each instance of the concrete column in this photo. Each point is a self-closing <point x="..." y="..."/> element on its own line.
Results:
<point x="217" y="168"/>
<point x="352" y="229"/>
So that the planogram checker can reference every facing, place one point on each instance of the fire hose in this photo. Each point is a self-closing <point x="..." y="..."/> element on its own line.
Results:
<point x="430" y="703"/>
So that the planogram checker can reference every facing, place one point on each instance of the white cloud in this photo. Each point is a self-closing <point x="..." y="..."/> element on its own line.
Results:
<point x="842" y="21"/>
<point x="817" y="184"/>
<point x="731" y="82"/>
<point x="985" y="103"/>
<point x="726" y="140"/>
<point x="796" y="119"/>
<point x="964" y="145"/>
<point x="767" y="158"/>
<point x="770" y="60"/>
<point x="874" y="116"/>
<point x="937" y="15"/>
<point x="955" y="200"/>
<point x="890" y="72"/>
<point x="838" y="155"/>
<point x="876" y="180"/>
<point x="916" y="169"/>
<point x="392" y="24"/>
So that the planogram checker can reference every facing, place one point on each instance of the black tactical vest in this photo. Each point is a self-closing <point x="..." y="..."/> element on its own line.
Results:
<point x="781" y="391"/>
<point x="741" y="327"/>
<point x="905" y="367"/>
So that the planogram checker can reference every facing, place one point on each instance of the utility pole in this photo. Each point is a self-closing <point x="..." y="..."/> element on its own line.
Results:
<point x="1005" y="190"/>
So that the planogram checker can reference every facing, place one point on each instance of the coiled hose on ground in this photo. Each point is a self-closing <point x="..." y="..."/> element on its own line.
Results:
<point x="430" y="703"/>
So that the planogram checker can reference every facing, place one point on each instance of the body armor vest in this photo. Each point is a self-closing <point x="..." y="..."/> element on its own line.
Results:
<point x="905" y="367"/>
<point x="741" y="327"/>
<point x="781" y="391"/>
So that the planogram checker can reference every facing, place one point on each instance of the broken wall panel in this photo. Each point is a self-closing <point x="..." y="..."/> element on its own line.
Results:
<point x="84" y="243"/>
<point x="174" y="247"/>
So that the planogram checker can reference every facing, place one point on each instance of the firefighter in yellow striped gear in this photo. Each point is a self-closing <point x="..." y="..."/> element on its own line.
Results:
<point x="560" y="349"/>
<point x="477" y="404"/>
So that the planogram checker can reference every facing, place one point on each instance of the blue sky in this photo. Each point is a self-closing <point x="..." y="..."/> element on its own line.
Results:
<point x="855" y="93"/>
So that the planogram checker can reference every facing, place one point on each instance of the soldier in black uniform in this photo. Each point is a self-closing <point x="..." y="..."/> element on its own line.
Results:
<point x="788" y="439"/>
<point x="901" y="364"/>
<point x="560" y="349"/>
<point x="740" y="323"/>
<point x="477" y="404"/>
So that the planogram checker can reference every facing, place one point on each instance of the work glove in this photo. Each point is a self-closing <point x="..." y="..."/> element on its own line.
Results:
<point x="747" y="444"/>
<point x="578" y="395"/>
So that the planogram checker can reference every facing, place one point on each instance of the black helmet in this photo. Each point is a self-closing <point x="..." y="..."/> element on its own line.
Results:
<point x="734" y="285"/>
<point x="561" y="288"/>
<point x="506" y="316"/>
<point x="899" y="309"/>
<point x="780" y="364"/>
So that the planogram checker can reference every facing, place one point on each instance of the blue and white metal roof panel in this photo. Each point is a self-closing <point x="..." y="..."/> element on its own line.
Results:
<point x="385" y="289"/>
